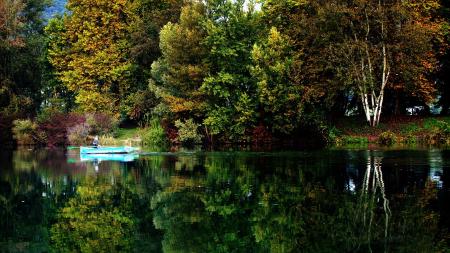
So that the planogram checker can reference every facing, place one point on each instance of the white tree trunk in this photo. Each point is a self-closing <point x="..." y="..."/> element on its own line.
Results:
<point x="371" y="95"/>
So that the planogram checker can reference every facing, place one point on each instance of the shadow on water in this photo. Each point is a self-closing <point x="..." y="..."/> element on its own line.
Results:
<point x="318" y="201"/>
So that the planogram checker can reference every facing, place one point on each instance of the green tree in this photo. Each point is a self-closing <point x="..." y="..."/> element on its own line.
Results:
<point x="279" y="98"/>
<point x="442" y="76"/>
<point x="360" y="48"/>
<point x="311" y="31"/>
<point x="10" y="40"/>
<point x="53" y="90"/>
<point x="150" y="17"/>
<point x="179" y="73"/>
<point x="232" y="29"/>
<point x="21" y="45"/>
<point x="389" y="45"/>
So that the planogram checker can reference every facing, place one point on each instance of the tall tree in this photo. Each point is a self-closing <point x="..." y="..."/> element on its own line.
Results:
<point x="389" y="45"/>
<point x="179" y="73"/>
<point x="443" y="77"/>
<point x="150" y="17"/>
<point x="311" y="31"/>
<point x="55" y="92"/>
<point x="11" y="22"/>
<point x="232" y="29"/>
<point x="280" y="99"/>
<point x="11" y="39"/>
<point x="93" y="60"/>
<point x="21" y="44"/>
<point x="363" y="46"/>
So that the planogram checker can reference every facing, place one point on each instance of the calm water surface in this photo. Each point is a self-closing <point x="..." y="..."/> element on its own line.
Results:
<point x="320" y="201"/>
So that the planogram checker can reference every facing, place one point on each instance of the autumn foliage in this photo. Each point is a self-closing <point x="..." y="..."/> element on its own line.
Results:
<point x="90" y="52"/>
<point x="235" y="70"/>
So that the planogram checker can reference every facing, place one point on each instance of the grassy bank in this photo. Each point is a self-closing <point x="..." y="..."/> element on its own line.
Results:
<point x="122" y="136"/>
<point x="80" y="129"/>
<point x="400" y="130"/>
<point x="404" y="130"/>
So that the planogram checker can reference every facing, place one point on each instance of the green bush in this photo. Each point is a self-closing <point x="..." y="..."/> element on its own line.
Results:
<point x="24" y="131"/>
<point x="431" y="124"/>
<point x="154" y="134"/>
<point x="410" y="139"/>
<point x="188" y="132"/>
<point x="439" y="132"/>
<point x="354" y="140"/>
<point x="387" y="138"/>
<point x="332" y="135"/>
<point x="410" y="128"/>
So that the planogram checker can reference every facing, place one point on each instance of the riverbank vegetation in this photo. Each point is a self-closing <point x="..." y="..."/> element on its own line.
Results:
<point x="222" y="71"/>
<point x="399" y="130"/>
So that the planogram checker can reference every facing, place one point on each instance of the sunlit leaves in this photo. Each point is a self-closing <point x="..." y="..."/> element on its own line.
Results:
<point x="231" y="33"/>
<point x="90" y="52"/>
<point x="181" y="69"/>
<point x="280" y="99"/>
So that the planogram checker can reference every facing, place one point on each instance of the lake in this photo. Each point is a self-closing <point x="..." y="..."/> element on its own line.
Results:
<point x="332" y="200"/>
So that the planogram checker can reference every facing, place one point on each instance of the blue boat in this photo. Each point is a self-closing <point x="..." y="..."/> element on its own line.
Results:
<point x="108" y="150"/>
<point x="109" y="157"/>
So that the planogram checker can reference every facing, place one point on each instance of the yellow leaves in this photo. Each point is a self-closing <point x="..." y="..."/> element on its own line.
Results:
<point x="179" y="105"/>
<point x="93" y="101"/>
<point x="427" y="64"/>
<point x="422" y="6"/>
<point x="90" y="52"/>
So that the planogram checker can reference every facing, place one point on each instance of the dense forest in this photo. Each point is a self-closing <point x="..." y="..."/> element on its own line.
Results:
<point x="218" y="70"/>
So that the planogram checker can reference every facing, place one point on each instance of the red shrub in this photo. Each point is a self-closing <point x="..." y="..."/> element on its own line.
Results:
<point x="260" y="134"/>
<point x="55" y="127"/>
<point x="171" y="131"/>
<point x="102" y="123"/>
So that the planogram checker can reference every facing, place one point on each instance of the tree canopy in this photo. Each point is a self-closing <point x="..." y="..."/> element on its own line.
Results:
<point x="93" y="59"/>
<point x="239" y="70"/>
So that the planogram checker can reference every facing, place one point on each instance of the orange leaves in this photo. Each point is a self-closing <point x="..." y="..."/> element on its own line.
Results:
<point x="425" y="89"/>
<point x="181" y="105"/>
<point x="11" y="22"/>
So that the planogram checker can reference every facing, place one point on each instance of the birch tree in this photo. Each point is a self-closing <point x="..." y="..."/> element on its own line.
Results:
<point x="389" y="44"/>
<point x="370" y="62"/>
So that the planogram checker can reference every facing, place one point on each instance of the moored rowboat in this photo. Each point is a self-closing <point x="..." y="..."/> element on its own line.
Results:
<point x="107" y="150"/>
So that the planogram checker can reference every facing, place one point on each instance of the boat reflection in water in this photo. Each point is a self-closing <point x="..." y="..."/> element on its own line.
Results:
<point x="109" y="157"/>
<point x="96" y="159"/>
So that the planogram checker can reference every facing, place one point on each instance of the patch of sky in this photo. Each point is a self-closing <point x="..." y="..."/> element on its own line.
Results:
<point x="58" y="7"/>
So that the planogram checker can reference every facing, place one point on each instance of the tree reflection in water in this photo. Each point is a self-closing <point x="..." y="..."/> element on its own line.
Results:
<point x="325" y="201"/>
<point x="372" y="189"/>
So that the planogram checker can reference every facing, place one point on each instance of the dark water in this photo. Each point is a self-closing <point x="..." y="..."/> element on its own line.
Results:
<point x="321" y="201"/>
